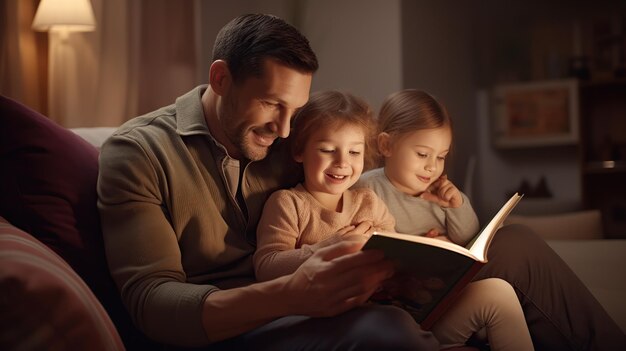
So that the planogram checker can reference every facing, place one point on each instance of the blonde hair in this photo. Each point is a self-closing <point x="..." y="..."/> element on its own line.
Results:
<point x="411" y="110"/>
<point x="335" y="109"/>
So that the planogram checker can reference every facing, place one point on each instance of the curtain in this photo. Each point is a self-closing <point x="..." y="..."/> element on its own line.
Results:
<point x="23" y="55"/>
<point x="141" y="56"/>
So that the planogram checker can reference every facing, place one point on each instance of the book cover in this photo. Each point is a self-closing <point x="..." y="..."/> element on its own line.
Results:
<point x="430" y="273"/>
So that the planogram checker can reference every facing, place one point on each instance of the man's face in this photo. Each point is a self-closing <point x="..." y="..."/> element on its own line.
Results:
<point x="258" y="110"/>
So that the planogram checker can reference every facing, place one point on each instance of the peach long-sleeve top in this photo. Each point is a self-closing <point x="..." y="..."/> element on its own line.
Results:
<point x="294" y="225"/>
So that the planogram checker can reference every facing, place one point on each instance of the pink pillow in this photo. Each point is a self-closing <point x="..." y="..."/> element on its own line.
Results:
<point x="44" y="304"/>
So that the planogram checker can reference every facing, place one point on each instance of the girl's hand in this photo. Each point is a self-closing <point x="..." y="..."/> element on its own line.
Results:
<point x="434" y="233"/>
<point x="360" y="232"/>
<point x="443" y="193"/>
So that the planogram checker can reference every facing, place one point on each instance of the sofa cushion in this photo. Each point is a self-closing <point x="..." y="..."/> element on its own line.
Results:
<point x="48" y="178"/>
<point x="577" y="225"/>
<point x="48" y="181"/>
<point x="44" y="303"/>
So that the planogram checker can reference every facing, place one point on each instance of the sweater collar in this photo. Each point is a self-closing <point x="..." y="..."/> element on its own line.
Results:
<point x="190" y="118"/>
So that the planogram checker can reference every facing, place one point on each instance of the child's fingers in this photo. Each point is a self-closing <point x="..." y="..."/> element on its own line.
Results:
<point x="447" y="192"/>
<point x="345" y="230"/>
<point x="432" y="233"/>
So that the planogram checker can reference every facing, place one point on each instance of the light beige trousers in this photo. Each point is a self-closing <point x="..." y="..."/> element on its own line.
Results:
<point x="490" y="304"/>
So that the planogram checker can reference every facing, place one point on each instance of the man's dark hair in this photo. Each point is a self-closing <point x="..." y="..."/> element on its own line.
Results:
<point x="246" y="40"/>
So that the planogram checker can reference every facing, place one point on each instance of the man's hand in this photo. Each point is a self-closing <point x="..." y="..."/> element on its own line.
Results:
<point x="335" y="279"/>
<point x="444" y="193"/>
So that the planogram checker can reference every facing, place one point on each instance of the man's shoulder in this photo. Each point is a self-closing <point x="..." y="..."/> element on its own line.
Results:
<point x="163" y="118"/>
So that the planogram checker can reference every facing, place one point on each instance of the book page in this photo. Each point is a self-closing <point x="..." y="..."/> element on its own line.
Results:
<point x="429" y="241"/>
<point x="483" y="240"/>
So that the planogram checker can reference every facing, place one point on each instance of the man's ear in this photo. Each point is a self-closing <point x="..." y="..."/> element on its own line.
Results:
<point x="384" y="144"/>
<point x="219" y="77"/>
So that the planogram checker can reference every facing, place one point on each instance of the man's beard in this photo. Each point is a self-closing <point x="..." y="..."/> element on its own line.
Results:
<point x="237" y="133"/>
<point x="251" y="152"/>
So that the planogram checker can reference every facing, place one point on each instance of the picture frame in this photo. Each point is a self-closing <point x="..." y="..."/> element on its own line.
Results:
<point x="542" y="113"/>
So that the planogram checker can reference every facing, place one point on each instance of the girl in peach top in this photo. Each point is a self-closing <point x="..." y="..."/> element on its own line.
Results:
<point x="330" y="137"/>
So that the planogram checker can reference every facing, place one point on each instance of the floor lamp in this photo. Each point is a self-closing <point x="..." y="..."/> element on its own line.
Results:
<point x="59" y="18"/>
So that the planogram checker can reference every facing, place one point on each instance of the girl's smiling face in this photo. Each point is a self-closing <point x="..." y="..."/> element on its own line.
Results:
<point x="333" y="161"/>
<point x="414" y="160"/>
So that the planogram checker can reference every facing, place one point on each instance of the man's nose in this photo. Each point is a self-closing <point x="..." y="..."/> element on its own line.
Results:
<point x="283" y="123"/>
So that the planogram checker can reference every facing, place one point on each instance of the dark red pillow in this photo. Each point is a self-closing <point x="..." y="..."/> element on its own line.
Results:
<point x="48" y="179"/>
<point x="48" y="183"/>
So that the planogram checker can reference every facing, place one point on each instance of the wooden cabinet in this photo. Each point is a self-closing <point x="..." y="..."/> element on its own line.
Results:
<point x="603" y="151"/>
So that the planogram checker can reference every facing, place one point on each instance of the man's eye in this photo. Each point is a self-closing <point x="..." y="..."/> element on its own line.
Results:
<point x="269" y="104"/>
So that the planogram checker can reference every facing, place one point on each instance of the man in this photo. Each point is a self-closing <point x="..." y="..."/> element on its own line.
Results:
<point x="181" y="191"/>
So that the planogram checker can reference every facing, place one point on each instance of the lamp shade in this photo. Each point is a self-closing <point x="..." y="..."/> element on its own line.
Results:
<point x="69" y="15"/>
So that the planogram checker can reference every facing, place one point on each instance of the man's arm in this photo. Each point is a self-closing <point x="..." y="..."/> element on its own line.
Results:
<point x="335" y="279"/>
<point x="142" y="247"/>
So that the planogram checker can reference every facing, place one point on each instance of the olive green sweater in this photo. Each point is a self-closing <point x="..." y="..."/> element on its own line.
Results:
<point x="172" y="231"/>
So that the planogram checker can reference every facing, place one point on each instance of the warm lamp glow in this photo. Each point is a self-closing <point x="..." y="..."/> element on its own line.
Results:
<point x="64" y="15"/>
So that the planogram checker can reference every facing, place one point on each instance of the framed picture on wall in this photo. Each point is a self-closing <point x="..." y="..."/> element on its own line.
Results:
<point x="535" y="114"/>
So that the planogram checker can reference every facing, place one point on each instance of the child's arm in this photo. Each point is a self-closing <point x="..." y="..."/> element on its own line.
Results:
<point x="462" y="222"/>
<point x="277" y="237"/>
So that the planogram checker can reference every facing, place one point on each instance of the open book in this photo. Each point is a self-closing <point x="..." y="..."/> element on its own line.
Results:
<point x="430" y="273"/>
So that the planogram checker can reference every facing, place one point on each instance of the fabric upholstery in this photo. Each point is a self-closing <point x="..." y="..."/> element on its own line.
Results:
<point x="579" y="225"/>
<point x="48" y="183"/>
<point x="48" y="178"/>
<point x="44" y="303"/>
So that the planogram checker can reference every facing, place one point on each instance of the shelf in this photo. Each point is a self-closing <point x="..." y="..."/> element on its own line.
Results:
<point x="605" y="167"/>
<point x="603" y="83"/>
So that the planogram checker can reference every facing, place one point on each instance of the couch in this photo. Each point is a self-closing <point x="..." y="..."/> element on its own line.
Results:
<point x="577" y="236"/>
<point x="55" y="289"/>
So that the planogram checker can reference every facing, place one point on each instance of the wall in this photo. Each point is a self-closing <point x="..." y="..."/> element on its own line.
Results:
<point x="357" y="42"/>
<point x="437" y="52"/>
<point x="500" y="172"/>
